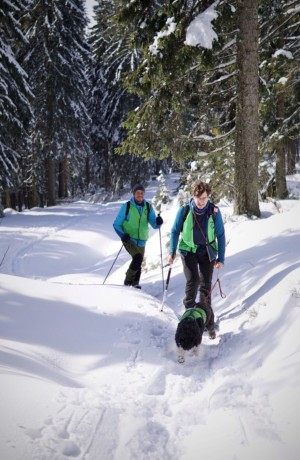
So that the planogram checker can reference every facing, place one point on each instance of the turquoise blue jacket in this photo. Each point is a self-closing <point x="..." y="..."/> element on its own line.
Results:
<point x="219" y="230"/>
<point x="122" y="216"/>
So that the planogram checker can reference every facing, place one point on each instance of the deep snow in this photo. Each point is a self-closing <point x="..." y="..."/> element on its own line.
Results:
<point x="90" y="371"/>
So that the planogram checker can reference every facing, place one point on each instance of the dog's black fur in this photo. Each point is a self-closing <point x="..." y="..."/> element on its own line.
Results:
<point x="189" y="332"/>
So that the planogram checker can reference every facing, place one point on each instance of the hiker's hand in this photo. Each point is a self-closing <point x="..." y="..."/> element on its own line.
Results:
<point x="171" y="258"/>
<point x="159" y="220"/>
<point x="125" y="238"/>
<point x="219" y="264"/>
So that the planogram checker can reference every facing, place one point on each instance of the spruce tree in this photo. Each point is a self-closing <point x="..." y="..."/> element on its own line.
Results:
<point x="160" y="125"/>
<point x="247" y="122"/>
<point x="15" y="95"/>
<point x="280" y="87"/>
<point x="110" y="101"/>
<point x="56" y="59"/>
<point x="189" y="91"/>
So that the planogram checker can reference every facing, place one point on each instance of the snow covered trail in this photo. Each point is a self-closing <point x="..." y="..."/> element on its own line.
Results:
<point x="70" y="348"/>
<point x="90" y="371"/>
<point x="123" y="413"/>
<point x="66" y="236"/>
<point x="76" y="241"/>
<point x="108" y="385"/>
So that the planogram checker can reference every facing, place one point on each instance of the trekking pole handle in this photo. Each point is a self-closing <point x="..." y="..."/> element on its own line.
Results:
<point x="168" y="277"/>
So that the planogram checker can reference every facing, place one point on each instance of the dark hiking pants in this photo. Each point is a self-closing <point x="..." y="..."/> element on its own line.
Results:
<point x="133" y="273"/>
<point x="198" y="271"/>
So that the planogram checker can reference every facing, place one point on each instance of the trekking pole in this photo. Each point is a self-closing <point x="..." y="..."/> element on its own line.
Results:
<point x="4" y="256"/>
<point x="166" y="289"/>
<point x="161" y="259"/>
<point x="113" y="264"/>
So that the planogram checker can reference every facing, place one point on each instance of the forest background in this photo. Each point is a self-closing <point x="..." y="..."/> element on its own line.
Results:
<point x="207" y="88"/>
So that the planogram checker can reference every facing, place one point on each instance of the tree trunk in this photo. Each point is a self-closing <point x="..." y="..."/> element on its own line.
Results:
<point x="280" y="172"/>
<point x="247" y="120"/>
<point x="63" y="179"/>
<point x="87" y="171"/>
<point x="20" y="200"/>
<point x="292" y="156"/>
<point x="34" y="198"/>
<point x="7" y="198"/>
<point x="60" y="180"/>
<point x="50" y="169"/>
<point x="65" y="173"/>
<point x="106" y="168"/>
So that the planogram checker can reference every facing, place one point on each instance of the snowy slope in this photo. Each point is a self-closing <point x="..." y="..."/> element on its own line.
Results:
<point x="89" y="371"/>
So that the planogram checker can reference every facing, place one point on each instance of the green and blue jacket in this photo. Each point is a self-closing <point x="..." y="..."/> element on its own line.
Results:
<point x="135" y="223"/>
<point x="191" y="237"/>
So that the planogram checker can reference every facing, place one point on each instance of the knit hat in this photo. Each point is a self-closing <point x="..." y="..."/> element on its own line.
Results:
<point x="138" y="187"/>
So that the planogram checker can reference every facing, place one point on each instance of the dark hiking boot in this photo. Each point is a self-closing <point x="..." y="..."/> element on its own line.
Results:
<point x="127" y="283"/>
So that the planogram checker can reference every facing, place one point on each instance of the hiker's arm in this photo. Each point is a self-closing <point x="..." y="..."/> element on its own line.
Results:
<point x="175" y="233"/>
<point x="119" y="221"/>
<point x="220" y="232"/>
<point x="152" y="217"/>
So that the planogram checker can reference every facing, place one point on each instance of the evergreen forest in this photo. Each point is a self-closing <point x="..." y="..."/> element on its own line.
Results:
<point x="97" y="106"/>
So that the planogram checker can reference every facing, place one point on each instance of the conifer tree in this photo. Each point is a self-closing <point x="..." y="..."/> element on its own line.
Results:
<point x="189" y="91"/>
<point x="112" y="59"/>
<point x="247" y="122"/>
<point x="15" y="97"/>
<point x="279" y="96"/>
<point x="56" y="59"/>
<point x="280" y="87"/>
<point x="159" y="33"/>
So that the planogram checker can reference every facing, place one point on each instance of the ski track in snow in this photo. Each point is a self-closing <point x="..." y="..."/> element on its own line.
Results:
<point x="70" y="221"/>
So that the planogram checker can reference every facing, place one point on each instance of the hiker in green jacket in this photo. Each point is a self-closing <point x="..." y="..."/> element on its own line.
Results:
<point x="131" y="225"/>
<point x="201" y="247"/>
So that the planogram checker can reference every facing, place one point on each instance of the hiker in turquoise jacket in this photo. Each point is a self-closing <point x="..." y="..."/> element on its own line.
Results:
<point x="201" y="247"/>
<point x="132" y="226"/>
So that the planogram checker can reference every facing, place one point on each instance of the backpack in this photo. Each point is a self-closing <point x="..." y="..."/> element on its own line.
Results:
<point x="128" y="206"/>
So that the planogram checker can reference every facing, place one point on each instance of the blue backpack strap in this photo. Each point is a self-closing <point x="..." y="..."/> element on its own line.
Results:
<point x="148" y="207"/>
<point x="127" y="209"/>
<point x="186" y="208"/>
<point x="212" y="210"/>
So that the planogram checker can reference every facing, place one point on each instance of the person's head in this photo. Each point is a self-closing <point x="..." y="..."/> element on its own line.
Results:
<point x="138" y="193"/>
<point x="201" y="192"/>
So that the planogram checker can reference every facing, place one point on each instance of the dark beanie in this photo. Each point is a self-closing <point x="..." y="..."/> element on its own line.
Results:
<point x="138" y="187"/>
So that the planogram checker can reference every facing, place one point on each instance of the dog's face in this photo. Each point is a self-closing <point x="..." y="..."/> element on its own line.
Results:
<point x="188" y="334"/>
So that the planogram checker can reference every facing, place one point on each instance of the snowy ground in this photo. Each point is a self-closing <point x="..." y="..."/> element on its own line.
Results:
<point x="90" y="371"/>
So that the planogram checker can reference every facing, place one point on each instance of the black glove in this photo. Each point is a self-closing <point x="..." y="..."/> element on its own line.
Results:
<point x="125" y="238"/>
<point x="159" y="220"/>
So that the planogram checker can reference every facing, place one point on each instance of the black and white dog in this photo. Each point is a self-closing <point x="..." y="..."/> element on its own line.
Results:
<point x="190" y="329"/>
